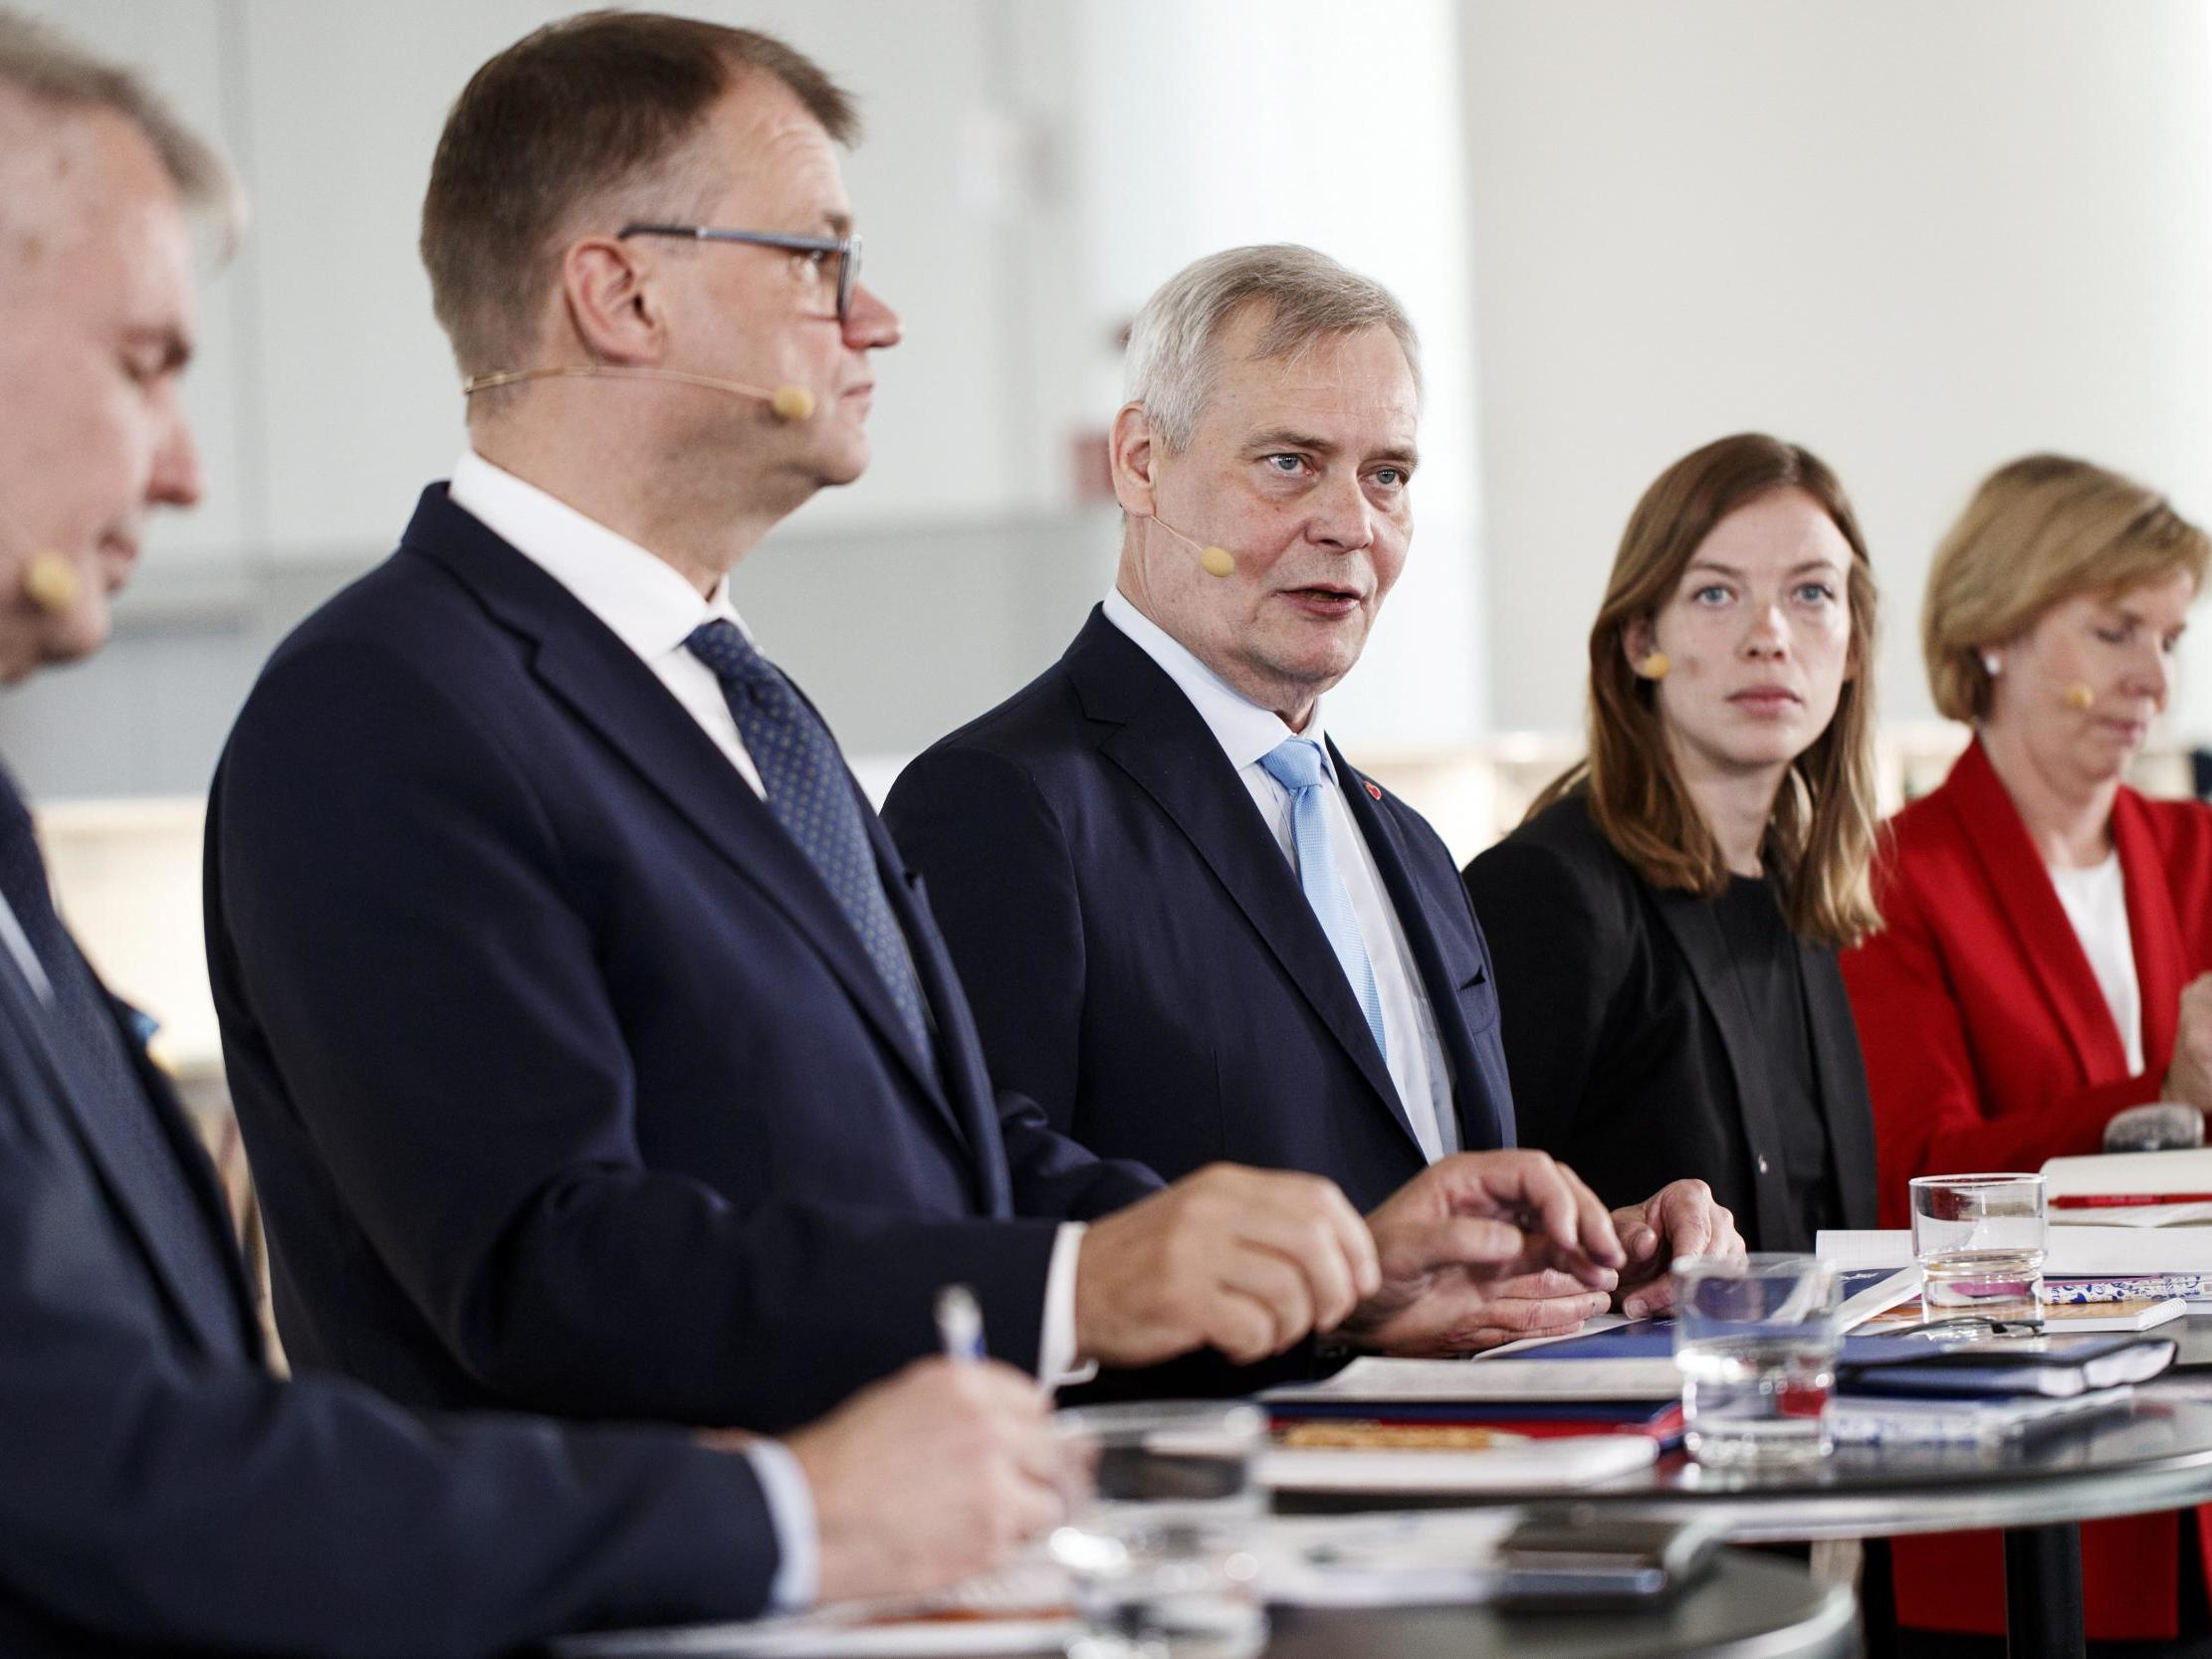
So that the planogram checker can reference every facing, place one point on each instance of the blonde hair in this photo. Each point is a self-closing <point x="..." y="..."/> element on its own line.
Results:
<point x="2039" y="531"/>
<point x="1820" y="841"/>
<point x="1171" y="366"/>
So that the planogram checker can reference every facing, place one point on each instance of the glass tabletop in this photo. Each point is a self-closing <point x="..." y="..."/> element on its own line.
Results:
<point x="2152" y="1453"/>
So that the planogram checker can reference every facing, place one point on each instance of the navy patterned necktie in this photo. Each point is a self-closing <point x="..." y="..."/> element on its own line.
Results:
<point x="111" y="1094"/>
<point x="810" y="794"/>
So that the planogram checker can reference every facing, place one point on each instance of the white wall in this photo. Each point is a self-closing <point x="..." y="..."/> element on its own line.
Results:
<point x="1200" y="124"/>
<point x="1920" y="238"/>
<point x="1031" y="170"/>
<point x="326" y="398"/>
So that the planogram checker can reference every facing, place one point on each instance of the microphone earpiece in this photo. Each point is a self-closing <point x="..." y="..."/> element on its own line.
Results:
<point x="1654" y="667"/>
<point x="791" y="403"/>
<point x="51" y="582"/>
<point x="2079" y="696"/>
<point x="1215" y="562"/>
<point x="786" y="403"/>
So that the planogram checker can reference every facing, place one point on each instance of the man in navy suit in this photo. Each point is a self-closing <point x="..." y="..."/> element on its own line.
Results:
<point x="1188" y="929"/>
<point x="594" y="1047"/>
<point x="161" y="1490"/>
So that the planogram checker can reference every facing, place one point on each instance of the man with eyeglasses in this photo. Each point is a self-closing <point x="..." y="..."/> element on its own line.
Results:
<point x="594" y="1049"/>
<point x="161" y="1491"/>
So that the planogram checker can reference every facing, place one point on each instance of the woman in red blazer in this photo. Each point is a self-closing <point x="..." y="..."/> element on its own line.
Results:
<point x="2048" y="930"/>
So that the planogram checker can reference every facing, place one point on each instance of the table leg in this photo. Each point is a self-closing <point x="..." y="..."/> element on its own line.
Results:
<point x="2042" y="1592"/>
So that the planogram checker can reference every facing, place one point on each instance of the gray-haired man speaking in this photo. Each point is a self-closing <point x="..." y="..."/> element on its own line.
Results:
<point x="1190" y="930"/>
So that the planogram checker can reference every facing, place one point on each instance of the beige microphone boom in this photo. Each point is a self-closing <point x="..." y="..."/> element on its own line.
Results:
<point x="1215" y="562"/>
<point x="785" y="403"/>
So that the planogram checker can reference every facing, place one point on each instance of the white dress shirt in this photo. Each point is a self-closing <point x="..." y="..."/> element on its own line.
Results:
<point x="652" y="609"/>
<point x="1418" y="1064"/>
<point x="2096" y="900"/>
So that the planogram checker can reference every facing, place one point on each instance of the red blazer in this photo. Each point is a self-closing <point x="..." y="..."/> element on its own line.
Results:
<point x="1989" y="1045"/>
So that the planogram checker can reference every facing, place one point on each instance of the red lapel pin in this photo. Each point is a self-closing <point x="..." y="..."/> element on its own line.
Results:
<point x="1374" y="789"/>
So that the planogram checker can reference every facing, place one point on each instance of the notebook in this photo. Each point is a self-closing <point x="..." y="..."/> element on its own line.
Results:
<point x="2054" y="1367"/>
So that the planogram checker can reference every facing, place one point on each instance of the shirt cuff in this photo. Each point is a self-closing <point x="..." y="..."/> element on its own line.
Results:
<point x="791" y="1501"/>
<point x="1057" y="1366"/>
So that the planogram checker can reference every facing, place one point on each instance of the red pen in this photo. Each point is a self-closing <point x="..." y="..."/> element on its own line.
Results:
<point x="2125" y="1200"/>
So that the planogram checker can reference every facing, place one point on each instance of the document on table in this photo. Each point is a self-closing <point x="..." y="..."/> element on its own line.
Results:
<point x="1513" y="1464"/>
<point x="2125" y="1183"/>
<point x="1457" y="1381"/>
<point x="2100" y="1252"/>
<point x="1390" y="1559"/>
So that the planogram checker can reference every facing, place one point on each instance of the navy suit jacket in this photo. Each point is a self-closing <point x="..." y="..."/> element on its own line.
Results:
<point x="161" y="1492"/>
<point x="567" y="1083"/>
<point x="1139" y="954"/>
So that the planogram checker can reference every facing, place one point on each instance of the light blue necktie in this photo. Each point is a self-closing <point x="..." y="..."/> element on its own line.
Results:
<point x="1297" y="764"/>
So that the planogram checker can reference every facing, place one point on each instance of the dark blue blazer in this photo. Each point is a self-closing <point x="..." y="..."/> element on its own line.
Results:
<point x="1139" y="954"/>
<point x="566" y="1082"/>
<point x="161" y="1492"/>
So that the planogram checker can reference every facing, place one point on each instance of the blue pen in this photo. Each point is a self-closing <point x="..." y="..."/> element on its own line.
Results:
<point x="959" y="1323"/>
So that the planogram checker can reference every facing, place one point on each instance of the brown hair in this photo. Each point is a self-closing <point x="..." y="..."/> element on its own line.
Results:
<point x="2040" y="529"/>
<point x="604" y="103"/>
<point x="1821" y="839"/>
<point x="47" y="67"/>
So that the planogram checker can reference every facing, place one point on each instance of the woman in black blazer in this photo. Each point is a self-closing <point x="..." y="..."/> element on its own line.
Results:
<point x="1665" y="922"/>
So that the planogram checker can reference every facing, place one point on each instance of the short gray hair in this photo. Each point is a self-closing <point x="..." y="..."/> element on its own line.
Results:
<point x="45" y="66"/>
<point x="1171" y="366"/>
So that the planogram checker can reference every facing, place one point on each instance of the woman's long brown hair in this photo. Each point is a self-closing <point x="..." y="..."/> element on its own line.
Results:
<point x="1820" y="841"/>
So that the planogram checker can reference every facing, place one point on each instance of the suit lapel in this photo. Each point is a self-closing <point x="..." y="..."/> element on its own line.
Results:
<point x="35" y="1022"/>
<point x="623" y="703"/>
<point x="970" y="1101"/>
<point x="1484" y="1122"/>
<point x="1841" y="1076"/>
<point x="1167" y="750"/>
<point x="2162" y="958"/>
<point x="1697" y="931"/>
<point x="2043" y="937"/>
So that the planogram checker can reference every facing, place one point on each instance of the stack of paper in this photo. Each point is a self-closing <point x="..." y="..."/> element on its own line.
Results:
<point x="1869" y="1419"/>
<point x="2074" y="1252"/>
<point x="2130" y="1189"/>
<point x="1513" y="1464"/>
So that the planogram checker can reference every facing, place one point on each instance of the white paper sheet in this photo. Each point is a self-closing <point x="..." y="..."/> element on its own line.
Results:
<point x="1566" y="1461"/>
<point x="2087" y="1252"/>
<point x="1455" y="1381"/>
<point x="1387" y="1559"/>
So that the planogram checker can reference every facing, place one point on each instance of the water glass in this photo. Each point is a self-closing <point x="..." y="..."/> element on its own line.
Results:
<point x="1159" y="1553"/>
<point x="1980" y="1240"/>
<point x="1755" y="1341"/>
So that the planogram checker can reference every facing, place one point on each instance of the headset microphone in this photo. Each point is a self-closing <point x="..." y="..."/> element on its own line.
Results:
<point x="49" y="580"/>
<point x="785" y="403"/>
<point x="1215" y="562"/>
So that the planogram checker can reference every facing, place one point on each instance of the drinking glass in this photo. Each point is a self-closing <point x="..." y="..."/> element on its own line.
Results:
<point x="1980" y="1240"/>
<point x="1161" y="1552"/>
<point x="1755" y="1341"/>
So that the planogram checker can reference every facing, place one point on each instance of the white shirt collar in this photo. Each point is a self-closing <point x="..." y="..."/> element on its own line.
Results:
<point x="1244" y="730"/>
<point x="641" y="598"/>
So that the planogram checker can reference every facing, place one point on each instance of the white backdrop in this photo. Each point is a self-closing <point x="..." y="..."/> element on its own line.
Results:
<point x="1920" y="238"/>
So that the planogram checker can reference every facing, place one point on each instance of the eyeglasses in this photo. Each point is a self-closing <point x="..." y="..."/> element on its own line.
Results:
<point x="846" y="248"/>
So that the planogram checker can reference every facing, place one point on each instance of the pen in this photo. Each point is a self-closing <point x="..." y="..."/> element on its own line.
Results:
<point x="959" y="1323"/>
<point x="2126" y="1200"/>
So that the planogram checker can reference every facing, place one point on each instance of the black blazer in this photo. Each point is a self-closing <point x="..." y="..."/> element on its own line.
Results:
<point x="1634" y="1056"/>
<point x="1139" y="954"/>
<point x="567" y="1083"/>
<point x="159" y="1491"/>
